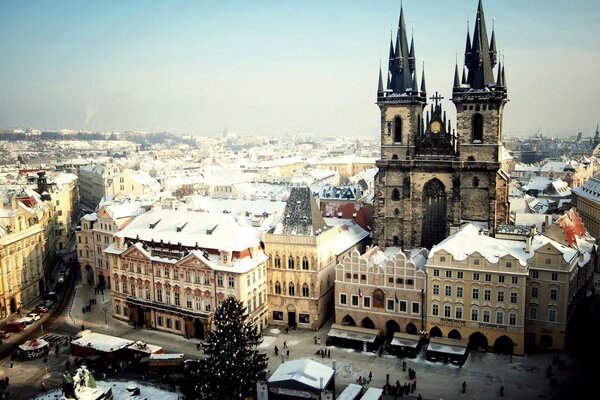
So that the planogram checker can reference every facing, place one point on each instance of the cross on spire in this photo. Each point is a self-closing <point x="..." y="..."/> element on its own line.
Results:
<point x="436" y="98"/>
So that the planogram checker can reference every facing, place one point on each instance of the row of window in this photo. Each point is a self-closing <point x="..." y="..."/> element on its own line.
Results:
<point x="476" y="275"/>
<point x="485" y="317"/>
<point x="363" y="278"/>
<point x="475" y="293"/>
<point x="291" y="263"/>
<point x="393" y="305"/>
<point x="291" y="289"/>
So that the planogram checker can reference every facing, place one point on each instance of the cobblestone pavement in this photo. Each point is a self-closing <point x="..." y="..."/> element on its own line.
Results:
<point x="484" y="373"/>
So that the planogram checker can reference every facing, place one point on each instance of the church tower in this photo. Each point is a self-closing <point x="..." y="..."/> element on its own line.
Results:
<point x="432" y="178"/>
<point x="479" y="99"/>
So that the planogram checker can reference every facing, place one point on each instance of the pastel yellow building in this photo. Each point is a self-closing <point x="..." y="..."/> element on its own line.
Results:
<point x="21" y="250"/>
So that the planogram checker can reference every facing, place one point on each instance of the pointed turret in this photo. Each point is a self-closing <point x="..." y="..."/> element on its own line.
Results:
<point x="415" y="85"/>
<point x="597" y="136"/>
<point x="402" y="79"/>
<point x="503" y="77"/>
<point x="464" y="77"/>
<point x="499" y="78"/>
<point x="456" y="81"/>
<point x="390" y="80"/>
<point x="478" y="61"/>
<point x="493" y="52"/>
<point x="380" y="84"/>
<point x="468" y="46"/>
<point x="423" y="89"/>
<point x="411" y="55"/>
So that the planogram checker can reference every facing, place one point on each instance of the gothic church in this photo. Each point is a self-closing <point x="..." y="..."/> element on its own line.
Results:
<point x="432" y="177"/>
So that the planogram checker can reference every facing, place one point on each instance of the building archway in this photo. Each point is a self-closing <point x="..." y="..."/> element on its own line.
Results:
<point x="454" y="334"/>
<point x="198" y="329"/>
<point x="504" y="345"/>
<point x="435" y="332"/>
<point x="391" y="327"/>
<point x="545" y="343"/>
<point x="368" y="323"/>
<point x="89" y="274"/>
<point x="478" y="341"/>
<point x="13" y="305"/>
<point x="411" y="328"/>
<point x="101" y="280"/>
<point x="348" y="320"/>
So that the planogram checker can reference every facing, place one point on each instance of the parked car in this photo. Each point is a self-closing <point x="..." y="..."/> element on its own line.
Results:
<point x="14" y="326"/>
<point x="40" y="309"/>
<point x="33" y="315"/>
<point x="26" y="320"/>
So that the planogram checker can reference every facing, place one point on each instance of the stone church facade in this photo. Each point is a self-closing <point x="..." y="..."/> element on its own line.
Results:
<point x="432" y="177"/>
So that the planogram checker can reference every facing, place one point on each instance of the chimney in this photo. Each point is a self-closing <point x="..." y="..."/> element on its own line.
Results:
<point x="529" y="238"/>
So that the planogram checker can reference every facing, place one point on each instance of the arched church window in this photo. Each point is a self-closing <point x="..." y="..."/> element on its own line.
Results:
<point x="396" y="212"/>
<point x="305" y="291"/>
<point x="477" y="128"/>
<point x="291" y="289"/>
<point x="395" y="194"/>
<point x="291" y="263"/>
<point x="475" y="182"/>
<point x="395" y="157"/>
<point x="305" y="263"/>
<point x="277" y="262"/>
<point x="398" y="130"/>
<point x="277" y="287"/>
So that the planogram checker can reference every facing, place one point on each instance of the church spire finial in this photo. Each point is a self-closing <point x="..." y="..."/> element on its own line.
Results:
<point x="423" y="89"/>
<point x="380" y="83"/>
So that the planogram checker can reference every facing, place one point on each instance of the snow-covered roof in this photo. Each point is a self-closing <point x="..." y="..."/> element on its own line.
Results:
<point x="590" y="190"/>
<point x="101" y="342"/>
<point x="209" y="230"/>
<point x="350" y="233"/>
<point x="305" y="372"/>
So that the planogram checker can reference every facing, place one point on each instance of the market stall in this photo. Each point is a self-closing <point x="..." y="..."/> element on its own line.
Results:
<point x="34" y="348"/>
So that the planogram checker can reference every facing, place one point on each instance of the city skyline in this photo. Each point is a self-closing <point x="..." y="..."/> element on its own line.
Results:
<point x="279" y="67"/>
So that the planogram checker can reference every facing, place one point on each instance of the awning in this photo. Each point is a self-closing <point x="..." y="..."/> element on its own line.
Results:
<point x="353" y="333"/>
<point x="448" y="346"/>
<point x="405" y="340"/>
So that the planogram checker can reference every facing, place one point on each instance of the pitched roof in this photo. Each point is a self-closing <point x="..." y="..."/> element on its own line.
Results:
<point x="302" y="215"/>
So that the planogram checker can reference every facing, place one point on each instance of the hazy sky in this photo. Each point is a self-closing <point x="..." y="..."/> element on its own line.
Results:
<point x="277" y="66"/>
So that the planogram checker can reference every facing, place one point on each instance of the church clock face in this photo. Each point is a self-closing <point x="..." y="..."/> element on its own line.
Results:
<point x="435" y="127"/>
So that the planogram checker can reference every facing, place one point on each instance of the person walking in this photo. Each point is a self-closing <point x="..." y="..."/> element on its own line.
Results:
<point x="501" y="390"/>
<point x="288" y="354"/>
<point x="285" y="345"/>
<point x="276" y="350"/>
<point x="43" y="386"/>
<point x="198" y="346"/>
<point x="464" y="386"/>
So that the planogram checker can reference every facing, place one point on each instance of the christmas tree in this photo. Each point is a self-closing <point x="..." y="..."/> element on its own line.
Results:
<point x="233" y="364"/>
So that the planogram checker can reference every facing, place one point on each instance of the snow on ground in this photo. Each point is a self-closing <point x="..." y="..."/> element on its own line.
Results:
<point x="274" y="331"/>
<point x="119" y="390"/>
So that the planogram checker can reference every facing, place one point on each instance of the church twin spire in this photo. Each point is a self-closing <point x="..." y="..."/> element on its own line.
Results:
<point x="481" y="57"/>
<point x="402" y="73"/>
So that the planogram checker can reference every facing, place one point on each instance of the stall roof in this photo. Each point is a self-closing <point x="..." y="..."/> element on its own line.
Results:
<point x="166" y="360"/>
<point x="351" y="392"/>
<point x="301" y="374"/>
<point x="448" y="346"/>
<point x="405" y="340"/>
<point x="101" y="342"/>
<point x="353" y="333"/>
<point x="372" y="394"/>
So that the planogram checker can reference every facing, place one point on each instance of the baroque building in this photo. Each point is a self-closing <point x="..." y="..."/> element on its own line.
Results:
<point x="170" y="270"/>
<point x="431" y="177"/>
